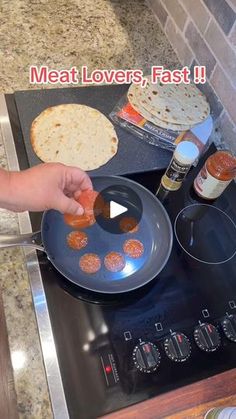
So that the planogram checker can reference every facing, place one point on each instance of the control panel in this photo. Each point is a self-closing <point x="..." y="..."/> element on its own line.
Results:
<point x="177" y="347"/>
<point x="146" y="357"/>
<point x="229" y="327"/>
<point x="207" y="337"/>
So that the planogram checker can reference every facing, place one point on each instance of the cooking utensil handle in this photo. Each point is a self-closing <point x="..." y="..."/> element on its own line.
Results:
<point x="30" y="239"/>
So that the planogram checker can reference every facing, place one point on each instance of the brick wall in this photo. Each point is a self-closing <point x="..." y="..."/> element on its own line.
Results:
<point x="203" y="32"/>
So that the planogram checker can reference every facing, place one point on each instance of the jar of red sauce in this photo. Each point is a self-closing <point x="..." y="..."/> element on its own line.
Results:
<point x="216" y="174"/>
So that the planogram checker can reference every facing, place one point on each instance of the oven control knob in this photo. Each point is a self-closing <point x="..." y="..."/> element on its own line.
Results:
<point x="177" y="347"/>
<point x="146" y="357"/>
<point x="229" y="326"/>
<point x="207" y="337"/>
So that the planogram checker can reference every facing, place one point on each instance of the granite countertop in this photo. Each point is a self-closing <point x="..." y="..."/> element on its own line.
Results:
<point x="62" y="34"/>
<point x="29" y="375"/>
<point x="102" y="34"/>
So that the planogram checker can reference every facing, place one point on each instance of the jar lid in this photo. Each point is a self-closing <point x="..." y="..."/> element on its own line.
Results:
<point x="186" y="152"/>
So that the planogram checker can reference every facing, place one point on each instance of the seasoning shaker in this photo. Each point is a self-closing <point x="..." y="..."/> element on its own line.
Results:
<point x="221" y="413"/>
<point x="185" y="154"/>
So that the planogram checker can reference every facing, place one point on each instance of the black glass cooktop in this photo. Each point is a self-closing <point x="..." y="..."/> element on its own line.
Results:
<point x="117" y="351"/>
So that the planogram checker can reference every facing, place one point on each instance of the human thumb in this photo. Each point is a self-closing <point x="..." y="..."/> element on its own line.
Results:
<point x="69" y="206"/>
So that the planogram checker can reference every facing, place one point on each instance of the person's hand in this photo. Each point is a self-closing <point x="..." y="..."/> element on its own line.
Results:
<point x="47" y="186"/>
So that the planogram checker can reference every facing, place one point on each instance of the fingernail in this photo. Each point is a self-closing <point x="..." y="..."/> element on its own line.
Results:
<point x="79" y="211"/>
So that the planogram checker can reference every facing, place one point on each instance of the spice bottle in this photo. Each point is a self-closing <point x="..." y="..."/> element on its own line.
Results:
<point x="184" y="156"/>
<point x="221" y="413"/>
<point x="215" y="176"/>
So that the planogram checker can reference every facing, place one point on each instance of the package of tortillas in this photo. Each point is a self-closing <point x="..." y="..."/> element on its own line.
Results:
<point x="163" y="125"/>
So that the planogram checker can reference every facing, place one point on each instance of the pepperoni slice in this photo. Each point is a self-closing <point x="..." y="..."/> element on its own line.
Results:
<point x="128" y="225"/>
<point x="133" y="248"/>
<point x="106" y="210"/>
<point x="90" y="263"/>
<point x="77" y="240"/>
<point x="86" y="200"/>
<point x="114" y="261"/>
<point x="79" y="221"/>
<point x="98" y="205"/>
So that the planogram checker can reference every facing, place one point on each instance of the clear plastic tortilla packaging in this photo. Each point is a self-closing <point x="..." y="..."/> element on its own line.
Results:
<point x="127" y="117"/>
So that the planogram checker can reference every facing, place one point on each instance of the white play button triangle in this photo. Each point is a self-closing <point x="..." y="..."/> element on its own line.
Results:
<point x="116" y="209"/>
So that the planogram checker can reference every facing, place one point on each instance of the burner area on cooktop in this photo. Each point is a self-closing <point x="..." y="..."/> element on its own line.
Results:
<point x="206" y="233"/>
<point x="181" y="328"/>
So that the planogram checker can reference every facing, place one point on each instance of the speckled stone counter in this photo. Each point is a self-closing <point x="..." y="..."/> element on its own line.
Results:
<point x="102" y="34"/>
<point x="61" y="34"/>
<point x="29" y="375"/>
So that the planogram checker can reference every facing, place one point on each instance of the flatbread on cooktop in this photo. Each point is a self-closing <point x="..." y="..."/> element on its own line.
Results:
<point x="73" y="134"/>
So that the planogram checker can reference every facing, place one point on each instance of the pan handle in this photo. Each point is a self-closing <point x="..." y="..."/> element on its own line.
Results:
<point x="30" y="239"/>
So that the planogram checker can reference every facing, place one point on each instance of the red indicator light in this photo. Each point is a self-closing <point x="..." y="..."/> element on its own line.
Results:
<point x="209" y="328"/>
<point x="108" y="369"/>
<point x="147" y="348"/>
<point x="179" y="338"/>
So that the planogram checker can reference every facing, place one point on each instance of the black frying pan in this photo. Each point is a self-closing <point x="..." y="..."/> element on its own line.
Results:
<point x="155" y="232"/>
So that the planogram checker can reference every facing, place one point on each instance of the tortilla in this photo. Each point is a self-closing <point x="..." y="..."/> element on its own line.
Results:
<point x="75" y="135"/>
<point x="173" y="103"/>
<point x="133" y="95"/>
